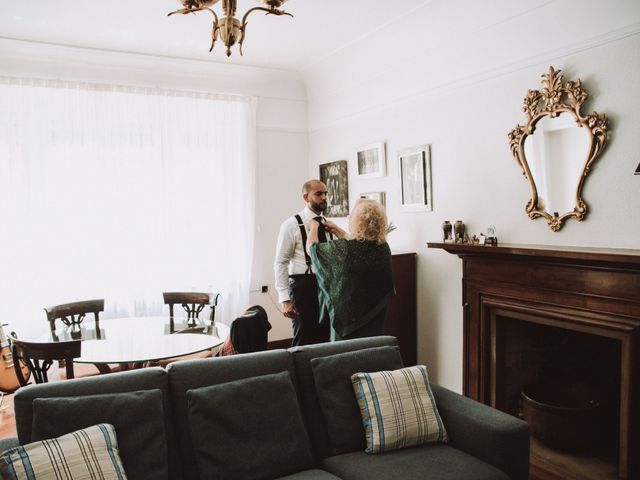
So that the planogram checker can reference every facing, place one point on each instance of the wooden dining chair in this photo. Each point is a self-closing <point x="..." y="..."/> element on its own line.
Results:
<point x="193" y="303"/>
<point x="38" y="357"/>
<point x="73" y="314"/>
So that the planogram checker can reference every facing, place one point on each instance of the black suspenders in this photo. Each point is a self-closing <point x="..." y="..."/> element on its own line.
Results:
<point x="303" y="232"/>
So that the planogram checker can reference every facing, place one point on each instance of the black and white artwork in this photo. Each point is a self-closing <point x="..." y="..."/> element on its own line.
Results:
<point x="371" y="161"/>
<point x="377" y="196"/>
<point x="334" y="176"/>
<point x="415" y="178"/>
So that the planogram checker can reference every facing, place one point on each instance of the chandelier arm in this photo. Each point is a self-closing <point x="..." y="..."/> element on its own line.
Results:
<point x="242" y="34"/>
<point x="244" y="18"/>
<point x="279" y="13"/>
<point x="214" y="32"/>
<point x="184" y="11"/>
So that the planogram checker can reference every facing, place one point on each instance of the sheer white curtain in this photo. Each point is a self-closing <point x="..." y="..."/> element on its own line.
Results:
<point x="121" y="193"/>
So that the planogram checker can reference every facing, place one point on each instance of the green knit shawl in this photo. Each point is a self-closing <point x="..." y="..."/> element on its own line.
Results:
<point x="355" y="281"/>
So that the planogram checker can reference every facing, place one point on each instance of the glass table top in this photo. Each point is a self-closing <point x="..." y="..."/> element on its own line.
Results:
<point x="136" y="339"/>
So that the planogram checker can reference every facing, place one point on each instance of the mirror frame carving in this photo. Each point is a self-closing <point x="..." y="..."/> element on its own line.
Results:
<point x="555" y="98"/>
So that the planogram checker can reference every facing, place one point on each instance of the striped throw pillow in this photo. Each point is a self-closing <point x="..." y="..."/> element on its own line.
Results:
<point x="398" y="409"/>
<point x="90" y="453"/>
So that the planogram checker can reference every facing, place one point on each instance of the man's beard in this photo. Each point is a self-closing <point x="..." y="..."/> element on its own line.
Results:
<point x="318" y="207"/>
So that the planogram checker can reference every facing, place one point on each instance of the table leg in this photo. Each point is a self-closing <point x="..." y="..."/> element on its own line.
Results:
<point x="103" y="367"/>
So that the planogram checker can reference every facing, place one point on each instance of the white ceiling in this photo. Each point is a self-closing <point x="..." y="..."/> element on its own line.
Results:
<point x="318" y="29"/>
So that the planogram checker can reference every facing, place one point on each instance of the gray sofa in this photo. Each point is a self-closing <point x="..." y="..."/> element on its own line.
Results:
<point x="268" y="415"/>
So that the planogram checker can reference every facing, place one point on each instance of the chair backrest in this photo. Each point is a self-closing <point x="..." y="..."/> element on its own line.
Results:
<point x="192" y="302"/>
<point x="72" y="314"/>
<point x="38" y="357"/>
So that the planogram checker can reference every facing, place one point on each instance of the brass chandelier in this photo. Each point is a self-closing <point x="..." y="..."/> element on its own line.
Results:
<point x="228" y="28"/>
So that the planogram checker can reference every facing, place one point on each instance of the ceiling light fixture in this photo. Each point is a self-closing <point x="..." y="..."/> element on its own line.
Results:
<point x="228" y="28"/>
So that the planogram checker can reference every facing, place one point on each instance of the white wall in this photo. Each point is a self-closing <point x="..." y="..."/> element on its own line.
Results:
<point x="281" y="121"/>
<point x="455" y="79"/>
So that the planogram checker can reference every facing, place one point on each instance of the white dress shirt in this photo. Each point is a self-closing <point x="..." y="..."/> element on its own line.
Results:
<point x="290" y="252"/>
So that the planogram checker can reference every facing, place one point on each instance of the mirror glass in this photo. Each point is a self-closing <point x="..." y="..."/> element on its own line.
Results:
<point x="556" y="155"/>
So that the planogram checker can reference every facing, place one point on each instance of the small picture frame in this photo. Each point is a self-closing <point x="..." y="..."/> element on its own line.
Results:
<point x="334" y="176"/>
<point x="377" y="196"/>
<point x="415" y="178"/>
<point x="371" y="161"/>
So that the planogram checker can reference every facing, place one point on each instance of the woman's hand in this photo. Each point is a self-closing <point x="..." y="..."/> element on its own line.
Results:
<point x="334" y="229"/>
<point x="314" y="225"/>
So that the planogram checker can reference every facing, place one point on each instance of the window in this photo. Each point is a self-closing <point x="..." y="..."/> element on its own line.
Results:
<point x="120" y="193"/>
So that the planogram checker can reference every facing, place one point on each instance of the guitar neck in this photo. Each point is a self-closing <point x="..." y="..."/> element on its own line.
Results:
<point x="3" y="338"/>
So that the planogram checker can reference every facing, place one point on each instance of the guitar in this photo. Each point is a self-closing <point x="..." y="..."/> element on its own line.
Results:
<point x="8" y="379"/>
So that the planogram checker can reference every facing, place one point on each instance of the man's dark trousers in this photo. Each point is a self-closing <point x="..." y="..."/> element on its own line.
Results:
<point x="303" y="291"/>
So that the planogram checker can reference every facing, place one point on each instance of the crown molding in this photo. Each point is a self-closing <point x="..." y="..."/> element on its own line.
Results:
<point x="446" y="85"/>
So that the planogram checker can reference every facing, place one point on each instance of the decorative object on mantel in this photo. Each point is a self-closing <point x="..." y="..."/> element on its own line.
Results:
<point x="560" y="156"/>
<point x="490" y="238"/>
<point x="458" y="231"/>
<point x="447" y="229"/>
<point x="228" y="28"/>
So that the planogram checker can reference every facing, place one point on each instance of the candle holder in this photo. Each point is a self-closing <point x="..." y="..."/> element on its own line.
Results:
<point x="458" y="230"/>
<point x="447" y="230"/>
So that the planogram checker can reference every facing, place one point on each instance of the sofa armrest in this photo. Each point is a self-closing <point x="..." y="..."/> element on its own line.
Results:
<point x="8" y="442"/>
<point x="495" y="437"/>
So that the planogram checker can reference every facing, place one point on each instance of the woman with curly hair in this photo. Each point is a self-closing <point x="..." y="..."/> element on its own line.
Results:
<point x="355" y="281"/>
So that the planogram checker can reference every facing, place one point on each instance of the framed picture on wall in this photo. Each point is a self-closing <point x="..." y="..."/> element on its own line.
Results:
<point x="415" y="178"/>
<point x="372" y="161"/>
<point x="377" y="196"/>
<point x="334" y="176"/>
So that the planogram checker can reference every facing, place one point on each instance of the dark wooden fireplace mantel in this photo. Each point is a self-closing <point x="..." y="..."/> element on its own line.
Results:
<point x="594" y="291"/>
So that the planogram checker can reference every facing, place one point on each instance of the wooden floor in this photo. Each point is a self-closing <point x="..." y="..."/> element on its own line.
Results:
<point x="7" y="415"/>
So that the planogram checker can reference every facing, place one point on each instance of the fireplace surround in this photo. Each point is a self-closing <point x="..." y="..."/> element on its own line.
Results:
<point x="558" y="316"/>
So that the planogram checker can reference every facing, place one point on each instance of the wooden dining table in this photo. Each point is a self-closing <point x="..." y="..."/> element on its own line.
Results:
<point x="136" y="340"/>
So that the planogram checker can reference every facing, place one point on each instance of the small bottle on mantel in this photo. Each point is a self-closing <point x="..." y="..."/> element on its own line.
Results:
<point x="458" y="230"/>
<point x="447" y="230"/>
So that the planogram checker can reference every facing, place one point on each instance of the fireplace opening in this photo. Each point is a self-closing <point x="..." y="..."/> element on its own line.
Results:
<point x="566" y="385"/>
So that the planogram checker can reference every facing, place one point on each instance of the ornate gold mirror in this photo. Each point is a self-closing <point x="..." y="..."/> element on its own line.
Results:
<point x="556" y="148"/>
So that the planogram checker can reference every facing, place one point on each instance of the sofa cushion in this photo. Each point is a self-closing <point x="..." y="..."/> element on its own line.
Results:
<point x="120" y="382"/>
<point x="250" y="428"/>
<point x="66" y="457"/>
<point x="192" y="374"/>
<point x="332" y="377"/>
<point x="311" y="410"/>
<point x="398" y="409"/>
<point x="136" y="416"/>
<point x="438" y="461"/>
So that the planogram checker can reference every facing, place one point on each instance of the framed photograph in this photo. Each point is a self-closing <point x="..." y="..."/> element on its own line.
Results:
<point x="372" y="161"/>
<point x="415" y="178"/>
<point x="334" y="176"/>
<point x="377" y="196"/>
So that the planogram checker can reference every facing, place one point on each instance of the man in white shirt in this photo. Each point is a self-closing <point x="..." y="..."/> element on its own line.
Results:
<point x="295" y="281"/>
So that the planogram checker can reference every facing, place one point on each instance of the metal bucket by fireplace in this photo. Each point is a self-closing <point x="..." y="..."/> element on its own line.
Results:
<point x="565" y="415"/>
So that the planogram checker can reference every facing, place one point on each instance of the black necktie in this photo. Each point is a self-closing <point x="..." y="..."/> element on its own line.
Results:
<point x="322" y="235"/>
